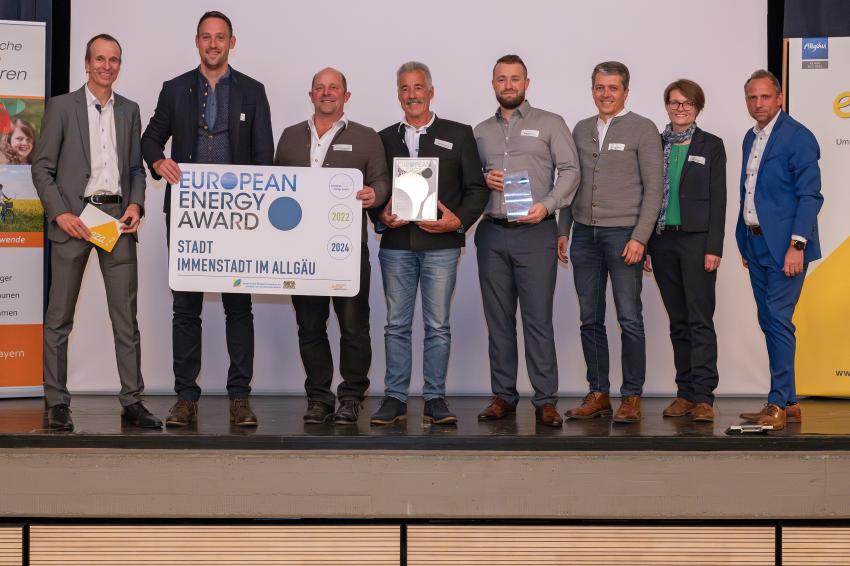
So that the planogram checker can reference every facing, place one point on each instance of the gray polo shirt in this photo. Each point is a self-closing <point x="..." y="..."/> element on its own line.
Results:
<point x="535" y="141"/>
<point x="622" y="184"/>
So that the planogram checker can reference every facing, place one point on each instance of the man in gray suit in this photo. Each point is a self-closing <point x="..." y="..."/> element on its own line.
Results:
<point x="89" y="152"/>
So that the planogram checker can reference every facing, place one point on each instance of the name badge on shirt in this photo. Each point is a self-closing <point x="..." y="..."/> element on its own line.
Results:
<point x="443" y="143"/>
<point x="241" y="116"/>
<point x="697" y="159"/>
<point x="532" y="133"/>
<point x="616" y="147"/>
<point x="342" y="147"/>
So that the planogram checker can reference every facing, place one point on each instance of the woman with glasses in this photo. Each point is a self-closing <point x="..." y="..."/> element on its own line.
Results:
<point x="685" y="250"/>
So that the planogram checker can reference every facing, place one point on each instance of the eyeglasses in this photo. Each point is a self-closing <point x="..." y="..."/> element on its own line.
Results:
<point x="686" y="105"/>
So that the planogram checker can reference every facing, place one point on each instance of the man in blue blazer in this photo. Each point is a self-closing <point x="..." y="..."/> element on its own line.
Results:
<point x="777" y="231"/>
<point x="212" y="114"/>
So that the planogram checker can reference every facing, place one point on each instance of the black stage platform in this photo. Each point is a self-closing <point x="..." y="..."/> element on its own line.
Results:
<point x="825" y="427"/>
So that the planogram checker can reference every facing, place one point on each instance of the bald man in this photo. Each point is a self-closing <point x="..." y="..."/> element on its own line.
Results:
<point x="329" y="139"/>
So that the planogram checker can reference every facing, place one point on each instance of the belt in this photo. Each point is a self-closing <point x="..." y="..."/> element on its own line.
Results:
<point x="671" y="228"/>
<point x="505" y="223"/>
<point x="99" y="199"/>
<point x="755" y="230"/>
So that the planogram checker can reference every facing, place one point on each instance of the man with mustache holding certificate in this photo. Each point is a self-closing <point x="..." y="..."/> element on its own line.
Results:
<point x="330" y="139"/>
<point x="517" y="252"/>
<point x="425" y="254"/>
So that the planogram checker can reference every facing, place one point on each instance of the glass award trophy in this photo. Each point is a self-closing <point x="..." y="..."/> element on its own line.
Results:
<point x="517" y="194"/>
<point x="415" y="188"/>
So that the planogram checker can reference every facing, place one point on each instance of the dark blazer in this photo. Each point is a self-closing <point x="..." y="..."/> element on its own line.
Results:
<point x="62" y="164"/>
<point x="176" y="117"/>
<point x="788" y="196"/>
<point x="460" y="183"/>
<point x="366" y="153"/>
<point x="702" y="190"/>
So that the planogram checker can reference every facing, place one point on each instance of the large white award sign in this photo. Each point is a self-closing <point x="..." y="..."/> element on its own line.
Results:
<point x="271" y="230"/>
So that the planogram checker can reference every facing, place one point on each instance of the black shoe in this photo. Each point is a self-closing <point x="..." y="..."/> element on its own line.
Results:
<point x="317" y="412"/>
<point x="348" y="412"/>
<point x="390" y="411"/>
<point x="138" y="415"/>
<point x="437" y="412"/>
<point x="59" y="418"/>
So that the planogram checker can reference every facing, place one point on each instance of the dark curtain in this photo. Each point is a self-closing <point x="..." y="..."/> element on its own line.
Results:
<point x="817" y="18"/>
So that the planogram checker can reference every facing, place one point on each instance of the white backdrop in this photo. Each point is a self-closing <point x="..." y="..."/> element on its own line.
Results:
<point x="283" y="43"/>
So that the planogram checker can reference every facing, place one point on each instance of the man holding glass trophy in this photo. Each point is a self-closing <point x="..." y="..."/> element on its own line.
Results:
<point x="438" y="194"/>
<point x="532" y="171"/>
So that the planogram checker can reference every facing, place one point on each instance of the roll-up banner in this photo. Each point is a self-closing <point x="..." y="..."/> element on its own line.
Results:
<point x="819" y="97"/>
<point x="22" y="58"/>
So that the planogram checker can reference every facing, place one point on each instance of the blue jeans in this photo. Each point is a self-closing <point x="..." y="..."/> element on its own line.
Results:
<point x="435" y="272"/>
<point x="596" y="253"/>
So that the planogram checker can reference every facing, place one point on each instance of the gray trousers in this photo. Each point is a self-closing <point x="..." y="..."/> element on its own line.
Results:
<point x="519" y="264"/>
<point x="120" y="277"/>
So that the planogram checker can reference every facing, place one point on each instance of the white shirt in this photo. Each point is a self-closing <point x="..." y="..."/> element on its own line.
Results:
<point x="105" y="178"/>
<point x="602" y="127"/>
<point x="319" y="145"/>
<point x="412" y="133"/>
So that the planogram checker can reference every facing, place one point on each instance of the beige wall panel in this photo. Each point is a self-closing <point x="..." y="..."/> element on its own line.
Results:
<point x="11" y="546"/>
<point x="586" y="546"/>
<point x="815" y="547"/>
<point x="208" y="545"/>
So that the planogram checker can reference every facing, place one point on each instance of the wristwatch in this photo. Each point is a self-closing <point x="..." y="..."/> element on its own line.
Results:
<point x="798" y="245"/>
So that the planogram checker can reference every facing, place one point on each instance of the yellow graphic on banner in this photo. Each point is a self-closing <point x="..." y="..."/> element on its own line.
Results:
<point x="823" y="331"/>
<point x="105" y="235"/>
<point x="841" y="106"/>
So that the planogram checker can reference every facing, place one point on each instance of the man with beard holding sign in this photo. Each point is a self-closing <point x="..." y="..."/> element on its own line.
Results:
<point x="213" y="114"/>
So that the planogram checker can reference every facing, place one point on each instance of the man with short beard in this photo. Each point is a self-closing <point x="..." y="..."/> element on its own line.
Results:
<point x="517" y="258"/>
<point x="212" y="114"/>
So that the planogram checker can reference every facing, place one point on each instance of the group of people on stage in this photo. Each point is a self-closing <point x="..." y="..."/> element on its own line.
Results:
<point x="630" y="200"/>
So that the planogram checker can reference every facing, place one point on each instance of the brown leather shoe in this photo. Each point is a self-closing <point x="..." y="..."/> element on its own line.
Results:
<point x="241" y="413"/>
<point x="773" y="415"/>
<point x="548" y="415"/>
<point x="629" y="410"/>
<point x="595" y="404"/>
<point x="702" y="413"/>
<point x="793" y="414"/>
<point x="497" y="409"/>
<point x="182" y="413"/>
<point x="678" y="408"/>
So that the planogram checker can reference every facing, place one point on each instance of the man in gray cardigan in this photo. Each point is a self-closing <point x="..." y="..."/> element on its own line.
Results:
<point x="612" y="217"/>
<point x="329" y="139"/>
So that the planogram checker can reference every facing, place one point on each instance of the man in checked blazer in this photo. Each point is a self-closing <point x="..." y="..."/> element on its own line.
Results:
<point x="212" y="114"/>
<point x="89" y="153"/>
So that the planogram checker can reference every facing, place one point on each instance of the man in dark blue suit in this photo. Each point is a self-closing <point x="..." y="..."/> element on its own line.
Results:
<point x="212" y="114"/>
<point x="777" y="231"/>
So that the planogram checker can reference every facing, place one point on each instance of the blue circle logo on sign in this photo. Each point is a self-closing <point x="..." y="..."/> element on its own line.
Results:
<point x="285" y="213"/>
<point x="229" y="180"/>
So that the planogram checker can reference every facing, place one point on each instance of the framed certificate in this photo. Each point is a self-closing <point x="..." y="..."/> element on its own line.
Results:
<point x="415" y="187"/>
